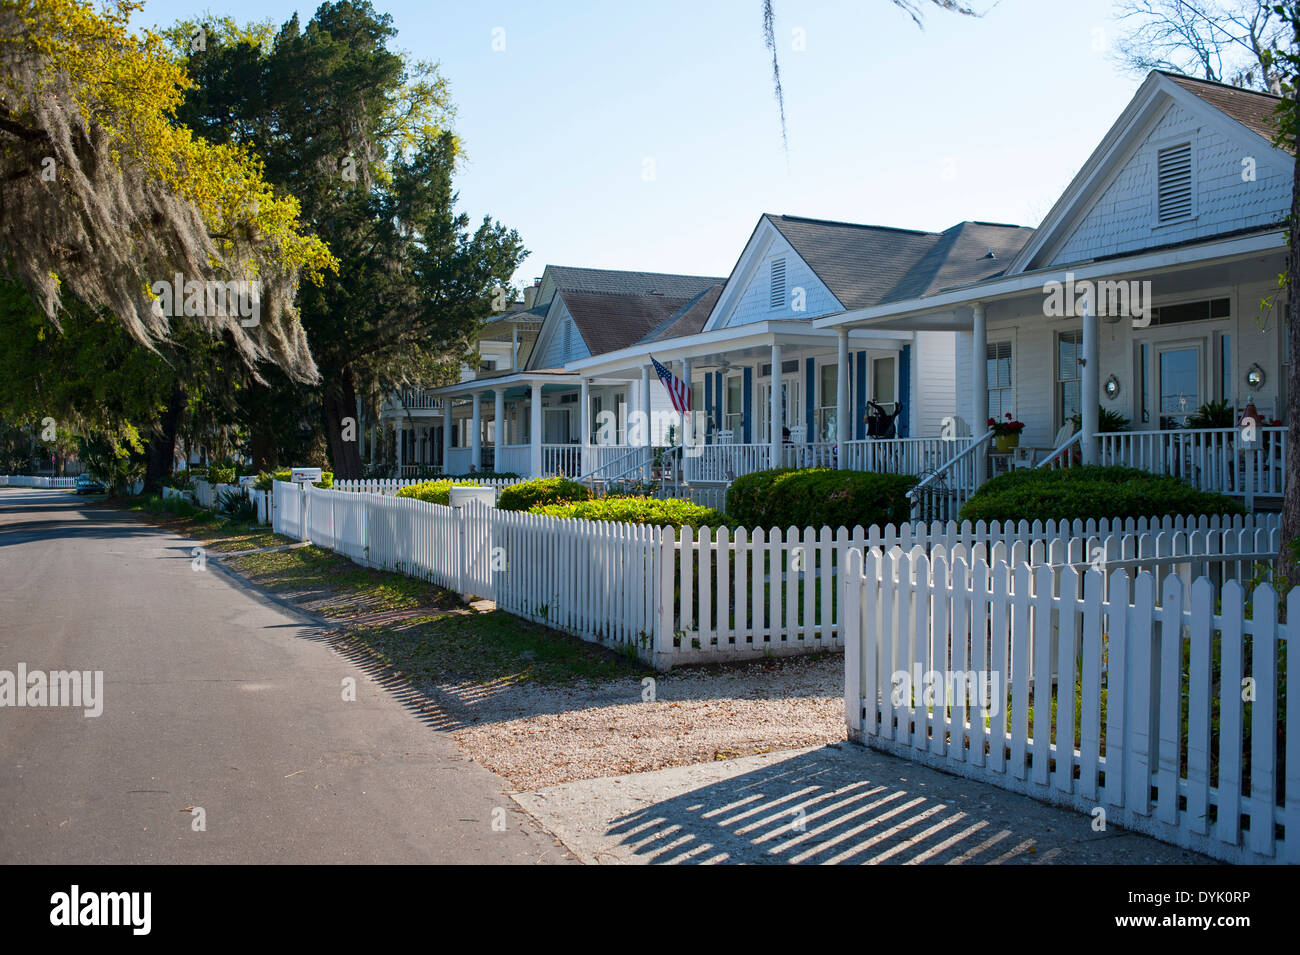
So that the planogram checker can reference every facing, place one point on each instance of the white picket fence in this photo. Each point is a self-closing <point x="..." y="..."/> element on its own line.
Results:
<point x="22" y="480"/>
<point x="682" y="596"/>
<point x="392" y="486"/>
<point x="1163" y="741"/>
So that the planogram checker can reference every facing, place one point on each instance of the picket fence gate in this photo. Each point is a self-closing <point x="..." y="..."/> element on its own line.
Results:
<point x="957" y="665"/>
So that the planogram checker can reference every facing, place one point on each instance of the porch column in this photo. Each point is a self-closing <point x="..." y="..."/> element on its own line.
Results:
<point x="498" y="426"/>
<point x="644" y="402"/>
<point x="476" y="433"/>
<point x="979" y="399"/>
<point x="842" y="405"/>
<point x="535" y="432"/>
<point x="774" y="410"/>
<point x="584" y="423"/>
<point x="1090" y="389"/>
<point x="400" y="431"/>
<point x="376" y="431"/>
<point x="446" y="433"/>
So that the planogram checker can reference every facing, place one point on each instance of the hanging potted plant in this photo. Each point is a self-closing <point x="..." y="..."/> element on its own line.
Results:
<point x="1006" y="433"/>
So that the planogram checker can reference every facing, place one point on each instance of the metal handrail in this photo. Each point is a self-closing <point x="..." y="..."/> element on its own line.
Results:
<point x="949" y="464"/>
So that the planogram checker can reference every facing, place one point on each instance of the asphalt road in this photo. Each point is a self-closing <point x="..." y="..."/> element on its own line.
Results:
<point x="214" y="698"/>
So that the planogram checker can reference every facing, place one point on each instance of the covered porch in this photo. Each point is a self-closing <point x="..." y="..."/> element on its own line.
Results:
<point x="1153" y="361"/>
<point x="763" y="395"/>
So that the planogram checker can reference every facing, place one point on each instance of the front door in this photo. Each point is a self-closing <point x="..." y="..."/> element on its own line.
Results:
<point x="789" y="406"/>
<point x="1179" y="374"/>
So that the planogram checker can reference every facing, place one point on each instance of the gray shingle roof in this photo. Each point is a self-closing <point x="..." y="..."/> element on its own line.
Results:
<point x="960" y="256"/>
<point x="689" y="319"/>
<point x="616" y="282"/>
<point x="865" y="265"/>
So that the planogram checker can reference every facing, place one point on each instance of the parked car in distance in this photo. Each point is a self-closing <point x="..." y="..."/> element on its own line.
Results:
<point x="90" y="485"/>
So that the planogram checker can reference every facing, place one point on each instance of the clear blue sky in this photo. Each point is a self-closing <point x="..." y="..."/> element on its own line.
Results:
<point x="966" y="119"/>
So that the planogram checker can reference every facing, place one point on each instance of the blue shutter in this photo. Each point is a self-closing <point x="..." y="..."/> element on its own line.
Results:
<point x="708" y="406"/>
<point x="809" y="391"/>
<point x="749" y="402"/>
<point x="860" y="399"/>
<point x="905" y="391"/>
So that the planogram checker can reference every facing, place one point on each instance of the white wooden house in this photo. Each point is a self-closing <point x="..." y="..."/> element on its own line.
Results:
<point x="1180" y="208"/>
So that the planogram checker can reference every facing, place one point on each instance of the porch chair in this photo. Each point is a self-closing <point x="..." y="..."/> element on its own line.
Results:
<point x="1028" y="457"/>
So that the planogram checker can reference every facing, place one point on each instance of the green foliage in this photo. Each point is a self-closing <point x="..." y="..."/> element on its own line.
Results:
<point x="1081" y="493"/>
<point x="817" y="497"/>
<point x="1108" y="422"/>
<point x="636" y="510"/>
<point x="237" y="506"/>
<point x="433" y="492"/>
<point x="220" y="475"/>
<point x="265" y="479"/>
<point x="1213" y="414"/>
<point x="531" y="494"/>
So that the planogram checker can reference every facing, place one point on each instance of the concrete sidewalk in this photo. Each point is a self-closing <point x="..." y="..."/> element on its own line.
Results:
<point x="827" y="805"/>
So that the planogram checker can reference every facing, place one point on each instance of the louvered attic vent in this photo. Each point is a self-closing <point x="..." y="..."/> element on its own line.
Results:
<point x="1174" y="178"/>
<point x="777" y="299"/>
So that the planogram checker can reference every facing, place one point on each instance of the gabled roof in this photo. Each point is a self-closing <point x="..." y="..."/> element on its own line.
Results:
<point x="1253" y="109"/>
<point x="1229" y="108"/>
<point x="968" y="252"/>
<point x="610" y="321"/>
<point x="859" y="264"/>
<point x="616" y="282"/>
<point x="687" y="320"/>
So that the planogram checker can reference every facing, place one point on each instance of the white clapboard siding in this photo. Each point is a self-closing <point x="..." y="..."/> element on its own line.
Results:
<point x="1028" y="631"/>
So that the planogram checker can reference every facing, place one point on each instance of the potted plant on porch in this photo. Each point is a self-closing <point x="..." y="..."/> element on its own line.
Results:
<point x="1006" y="433"/>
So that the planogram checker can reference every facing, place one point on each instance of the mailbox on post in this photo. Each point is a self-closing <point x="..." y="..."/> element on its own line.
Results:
<point x="460" y="496"/>
<point x="305" y="475"/>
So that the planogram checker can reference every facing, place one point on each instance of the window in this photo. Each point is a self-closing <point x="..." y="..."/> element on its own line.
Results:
<point x="1143" y="383"/>
<point x="788" y="367"/>
<point x="1069" y="384"/>
<point x="1001" y="399"/>
<point x="882" y="380"/>
<point x="735" y="409"/>
<point x="828" y="383"/>
<point x="1174" y="183"/>
<point x="1191" y="311"/>
<point x="777" y="298"/>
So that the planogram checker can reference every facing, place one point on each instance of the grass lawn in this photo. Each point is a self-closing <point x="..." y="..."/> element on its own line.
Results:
<point x="424" y="632"/>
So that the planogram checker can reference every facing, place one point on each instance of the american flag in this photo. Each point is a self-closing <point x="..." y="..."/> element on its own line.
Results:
<point x="678" y="390"/>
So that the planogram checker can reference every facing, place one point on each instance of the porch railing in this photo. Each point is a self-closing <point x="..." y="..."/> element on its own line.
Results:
<point x="512" y="459"/>
<point x="1210" y="459"/>
<point x="562" y="459"/>
<point x="903" y="455"/>
<point x="941" y="493"/>
<point x="608" y="462"/>
<point x="814" y="454"/>
<point x="1063" y="456"/>
<point x="719" y="463"/>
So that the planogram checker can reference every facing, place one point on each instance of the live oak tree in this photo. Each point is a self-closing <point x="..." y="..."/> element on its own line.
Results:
<point x="361" y="137"/>
<point x="103" y="193"/>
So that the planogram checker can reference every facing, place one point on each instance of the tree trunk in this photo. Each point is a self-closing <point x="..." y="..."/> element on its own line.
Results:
<point x="160" y="452"/>
<point x="1291" y="501"/>
<point x="340" y="402"/>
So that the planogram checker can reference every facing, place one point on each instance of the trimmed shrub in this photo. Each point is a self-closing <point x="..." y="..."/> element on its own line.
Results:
<point x="819" y="497"/>
<point x="1090" y="492"/>
<point x="433" y="492"/>
<point x="481" y="476"/>
<point x="637" y="510"/>
<point x="530" y="494"/>
<point x="219" y="475"/>
<point x="266" y="478"/>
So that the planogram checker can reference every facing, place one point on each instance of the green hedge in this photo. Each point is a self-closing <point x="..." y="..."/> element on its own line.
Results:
<point x="433" y="492"/>
<point x="219" y="475"/>
<point x="819" y="497"/>
<point x="530" y="494"/>
<point x="265" y="479"/>
<point x="1081" y="493"/>
<point x="637" y="510"/>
